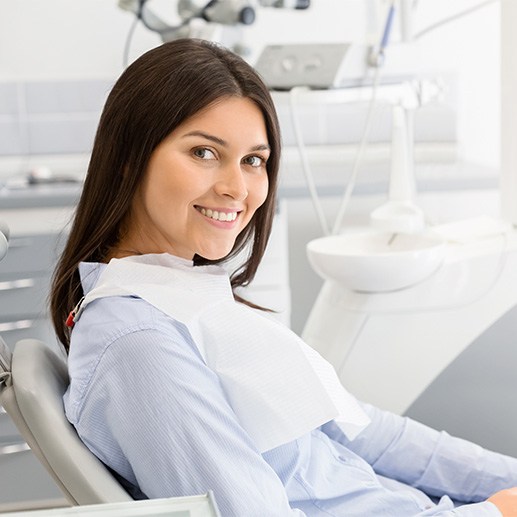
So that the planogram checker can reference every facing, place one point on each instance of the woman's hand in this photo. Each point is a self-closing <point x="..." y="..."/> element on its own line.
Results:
<point x="506" y="501"/>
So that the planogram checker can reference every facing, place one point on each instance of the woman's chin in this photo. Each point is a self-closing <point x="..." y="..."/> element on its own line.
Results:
<point x="213" y="255"/>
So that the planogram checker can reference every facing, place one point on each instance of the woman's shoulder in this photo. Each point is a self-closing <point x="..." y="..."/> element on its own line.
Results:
<point x="108" y="323"/>
<point x="111" y="329"/>
<point x="107" y="319"/>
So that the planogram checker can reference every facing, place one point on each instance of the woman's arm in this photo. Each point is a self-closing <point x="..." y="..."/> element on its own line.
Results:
<point x="437" y="463"/>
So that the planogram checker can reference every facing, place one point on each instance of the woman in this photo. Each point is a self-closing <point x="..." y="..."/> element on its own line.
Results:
<point x="170" y="383"/>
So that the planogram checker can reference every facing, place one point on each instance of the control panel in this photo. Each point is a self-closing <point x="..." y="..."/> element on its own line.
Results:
<point x="319" y="66"/>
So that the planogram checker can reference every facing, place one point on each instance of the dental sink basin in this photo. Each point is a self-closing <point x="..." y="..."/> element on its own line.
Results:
<point x="376" y="262"/>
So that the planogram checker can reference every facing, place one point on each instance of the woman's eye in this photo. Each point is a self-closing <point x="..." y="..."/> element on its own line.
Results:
<point x="204" y="153"/>
<point x="254" y="161"/>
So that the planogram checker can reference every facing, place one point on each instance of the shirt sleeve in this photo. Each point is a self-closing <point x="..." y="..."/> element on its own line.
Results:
<point x="484" y="509"/>
<point x="154" y="404"/>
<point x="435" y="462"/>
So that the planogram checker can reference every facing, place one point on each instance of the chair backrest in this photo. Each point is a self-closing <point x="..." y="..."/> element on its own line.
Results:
<point x="32" y="396"/>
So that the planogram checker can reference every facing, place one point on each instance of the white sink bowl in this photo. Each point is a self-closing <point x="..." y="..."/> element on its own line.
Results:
<point x="376" y="262"/>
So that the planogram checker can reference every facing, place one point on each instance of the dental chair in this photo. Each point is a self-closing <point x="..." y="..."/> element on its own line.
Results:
<point x="32" y="383"/>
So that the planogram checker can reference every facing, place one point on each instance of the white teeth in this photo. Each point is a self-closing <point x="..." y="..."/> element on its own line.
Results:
<point x="219" y="216"/>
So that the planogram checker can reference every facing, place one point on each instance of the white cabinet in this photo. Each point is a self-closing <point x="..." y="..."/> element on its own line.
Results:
<point x="25" y="275"/>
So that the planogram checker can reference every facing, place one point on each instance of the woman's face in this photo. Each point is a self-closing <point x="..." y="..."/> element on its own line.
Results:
<point x="203" y="184"/>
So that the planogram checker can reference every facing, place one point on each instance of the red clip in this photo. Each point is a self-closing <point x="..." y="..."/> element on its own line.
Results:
<point x="70" y="320"/>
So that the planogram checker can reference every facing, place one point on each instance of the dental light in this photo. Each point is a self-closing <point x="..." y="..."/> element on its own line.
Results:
<point x="214" y="13"/>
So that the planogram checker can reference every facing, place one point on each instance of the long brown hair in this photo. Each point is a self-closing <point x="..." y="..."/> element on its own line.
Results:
<point x="153" y="96"/>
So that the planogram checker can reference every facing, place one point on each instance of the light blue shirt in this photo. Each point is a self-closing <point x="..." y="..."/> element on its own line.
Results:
<point x="146" y="404"/>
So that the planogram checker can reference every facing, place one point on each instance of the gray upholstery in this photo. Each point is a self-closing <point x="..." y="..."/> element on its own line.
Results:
<point x="32" y="396"/>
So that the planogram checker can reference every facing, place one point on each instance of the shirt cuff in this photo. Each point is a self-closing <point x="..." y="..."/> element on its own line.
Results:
<point x="484" y="509"/>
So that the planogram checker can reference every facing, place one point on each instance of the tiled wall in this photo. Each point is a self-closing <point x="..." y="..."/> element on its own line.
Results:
<point x="49" y="117"/>
<point x="41" y="118"/>
<point x="344" y="123"/>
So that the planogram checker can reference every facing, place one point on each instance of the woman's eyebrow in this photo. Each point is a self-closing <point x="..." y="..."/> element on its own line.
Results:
<point x="224" y="143"/>
<point x="208" y="136"/>
<point x="261" y="147"/>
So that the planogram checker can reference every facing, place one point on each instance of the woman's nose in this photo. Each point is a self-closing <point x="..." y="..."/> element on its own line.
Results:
<point x="232" y="182"/>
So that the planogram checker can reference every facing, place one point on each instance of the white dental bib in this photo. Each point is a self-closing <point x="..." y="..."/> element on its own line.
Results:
<point x="278" y="387"/>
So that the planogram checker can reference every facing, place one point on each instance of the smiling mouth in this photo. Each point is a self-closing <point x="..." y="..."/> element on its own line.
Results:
<point x="218" y="215"/>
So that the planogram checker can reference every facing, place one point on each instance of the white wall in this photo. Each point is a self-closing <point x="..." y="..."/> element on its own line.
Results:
<point x="63" y="39"/>
<point x="470" y="47"/>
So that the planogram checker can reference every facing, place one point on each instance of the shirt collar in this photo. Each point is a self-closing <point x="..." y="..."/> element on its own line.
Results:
<point x="89" y="273"/>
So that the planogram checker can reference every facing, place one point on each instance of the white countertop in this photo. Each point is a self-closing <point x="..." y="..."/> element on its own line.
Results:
<point x="36" y="221"/>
